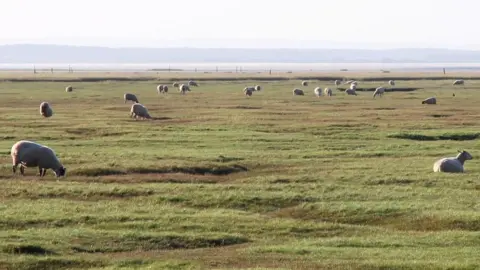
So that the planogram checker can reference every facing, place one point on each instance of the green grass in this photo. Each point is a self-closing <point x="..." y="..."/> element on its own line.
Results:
<point x="221" y="181"/>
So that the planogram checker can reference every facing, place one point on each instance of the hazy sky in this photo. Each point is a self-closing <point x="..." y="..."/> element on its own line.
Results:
<point x="243" y="23"/>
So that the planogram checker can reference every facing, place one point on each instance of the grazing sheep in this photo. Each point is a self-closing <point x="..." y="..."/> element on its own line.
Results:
<point x="379" y="92"/>
<point x="298" y="92"/>
<point x="349" y="82"/>
<point x="328" y="92"/>
<point x="351" y="91"/>
<point x="165" y="89"/>
<point x="452" y="164"/>
<point x="139" y="111"/>
<point x="32" y="154"/>
<point x="305" y="83"/>
<point x="130" y="97"/>
<point x="248" y="91"/>
<point x="337" y="83"/>
<point x="258" y="88"/>
<point x="45" y="110"/>
<point x="69" y="88"/>
<point x="430" y="100"/>
<point x="459" y="82"/>
<point x="192" y="83"/>
<point x="317" y="91"/>
<point x="162" y="89"/>
<point x="183" y="88"/>
<point x="391" y="83"/>
<point x="175" y="84"/>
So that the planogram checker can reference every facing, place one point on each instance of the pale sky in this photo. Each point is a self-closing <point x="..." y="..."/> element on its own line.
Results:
<point x="366" y="24"/>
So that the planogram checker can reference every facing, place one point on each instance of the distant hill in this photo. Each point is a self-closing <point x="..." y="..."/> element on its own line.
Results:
<point x="31" y="53"/>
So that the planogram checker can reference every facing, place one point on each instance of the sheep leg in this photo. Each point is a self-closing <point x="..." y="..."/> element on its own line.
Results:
<point x="43" y="172"/>
<point x="22" y="170"/>
<point x="14" y="168"/>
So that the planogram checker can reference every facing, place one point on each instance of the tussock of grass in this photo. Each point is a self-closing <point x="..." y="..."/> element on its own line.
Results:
<point x="443" y="137"/>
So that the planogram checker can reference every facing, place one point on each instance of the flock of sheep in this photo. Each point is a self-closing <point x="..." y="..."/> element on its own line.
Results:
<point x="31" y="154"/>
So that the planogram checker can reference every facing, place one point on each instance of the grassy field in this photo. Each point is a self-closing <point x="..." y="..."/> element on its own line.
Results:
<point x="221" y="181"/>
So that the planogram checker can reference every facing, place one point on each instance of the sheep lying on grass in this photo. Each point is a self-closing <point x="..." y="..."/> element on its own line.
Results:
<point x="351" y="91"/>
<point x="192" y="83"/>
<point x="139" y="111"/>
<point x="430" y="100"/>
<point x="32" y="154"/>
<point x="130" y="97"/>
<point x="452" y="164"/>
<point x="317" y="91"/>
<point x="304" y="83"/>
<point x="298" y="92"/>
<point x="69" y="88"/>
<point x="258" y="88"/>
<point x="46" y="109"/>
<point x="459" y="82"/>
<point x="391" y="83"/>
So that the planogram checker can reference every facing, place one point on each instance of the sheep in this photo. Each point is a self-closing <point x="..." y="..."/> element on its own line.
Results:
<point x="298" y="92"/>
<point x="165" y="89"/>
<point x="317" y="91"/>
<point x="46" y="110"/>
<point x="130" y="97"/>
<point x="175" y="84"/>
<point x="304" y="83"/>
<point x="183" y="88"/>
<point x="349" y="82"/>
<point x="248" y="91"/>
<point x="354" y="83"/>
<point x="162" y="89"/>
<point x="452" y="164"/>
<point x="32" y="154"/>
<point x="430" y="100"/>
<point x="69" y="88"/>
<point x="337" y="83"/>
<point x="258" y="88"/>
<point x="192" y="83"/>
<point x="139" y="111"/>
<point x="379" y="92"/>
<point x="328" y="92"/>
<point x="351" y="91"/>
<point x="459" y="82"/>
<point x="391" y="83"/>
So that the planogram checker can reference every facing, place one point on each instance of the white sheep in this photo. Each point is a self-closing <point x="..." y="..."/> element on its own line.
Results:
<point x="139" y="111"/>
<point x="391" y="83"/>
<point x="46" y="110"/>
<point x="328" y="92"/>
<point x="175" y="84"/>
<point x="351" y="91"/>
<point x="248" y="91"/>
<point x="192" y="83"/>
<point x="183" y="88"/>
<point x="430" y="100"/>
<point x="317" y="91"/>
<point x="452" y="164"/>
<point x="32" y="154"/>
<point x="305" y="83"/>
<point x="353" y="84"/>
<point x="349" y="82"/>
<point x="258" y="88"/>
<point x="379" y="92"/>
<point x="69" y="88"/>
<point x="298" y="92"/>
<point x="130" y="97"/>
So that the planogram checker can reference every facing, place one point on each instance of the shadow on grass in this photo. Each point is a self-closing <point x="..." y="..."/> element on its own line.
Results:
<point x="26" y="250"/>
<point x="443" y="137"/>
<point x="214" y="170"/>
